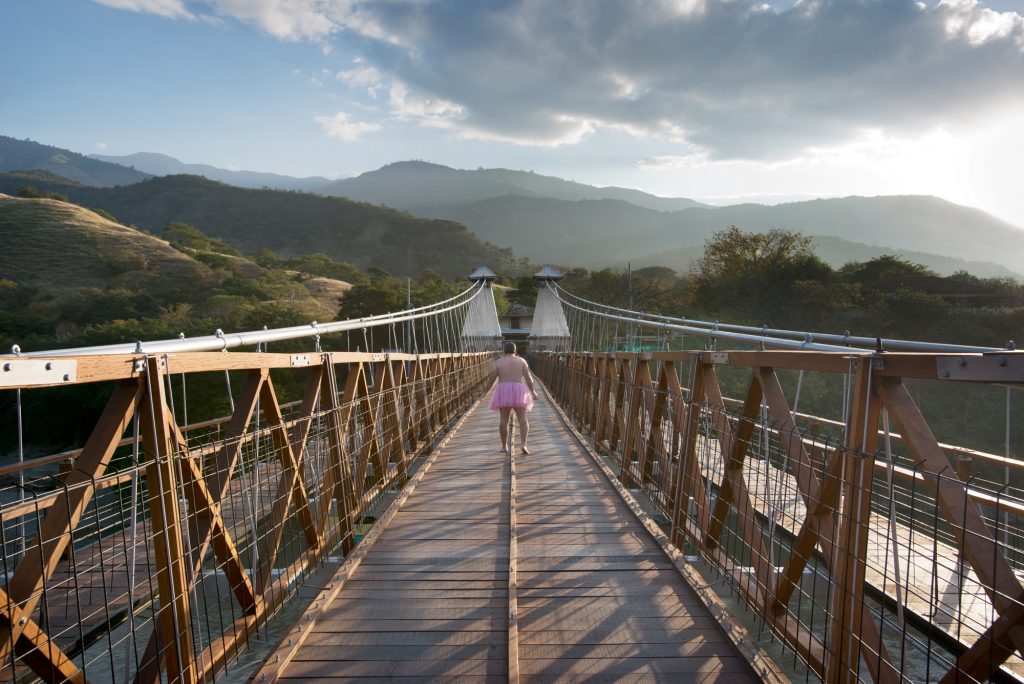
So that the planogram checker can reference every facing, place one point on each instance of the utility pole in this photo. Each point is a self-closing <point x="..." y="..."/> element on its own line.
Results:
<point x="629" y="296"/>
<point x="408" y="306"/>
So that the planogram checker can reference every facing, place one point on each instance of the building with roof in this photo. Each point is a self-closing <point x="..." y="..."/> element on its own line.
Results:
<point x="516" y="321"/>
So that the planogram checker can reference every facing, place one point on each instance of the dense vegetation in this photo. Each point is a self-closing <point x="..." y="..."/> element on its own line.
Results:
<point x="775" y="279"/>
<point x="291" y="224"/>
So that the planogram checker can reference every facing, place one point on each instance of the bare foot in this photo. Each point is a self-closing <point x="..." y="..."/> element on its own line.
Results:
<point x="526" y="451"/>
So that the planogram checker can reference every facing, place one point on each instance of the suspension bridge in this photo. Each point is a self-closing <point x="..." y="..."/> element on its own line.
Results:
<point x="351" y="514"/>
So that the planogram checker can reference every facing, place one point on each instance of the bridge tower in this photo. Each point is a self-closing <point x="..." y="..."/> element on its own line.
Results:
<point x="480" y="330"/>
<point x="549" y="331"/>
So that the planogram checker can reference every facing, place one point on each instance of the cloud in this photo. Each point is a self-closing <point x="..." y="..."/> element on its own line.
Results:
<point x="362" y="77"/>
<point x="172" y="9"/>
<point x="732" y="79"/>
<point x="101" y="146"/>
<point x="341" y="128"/>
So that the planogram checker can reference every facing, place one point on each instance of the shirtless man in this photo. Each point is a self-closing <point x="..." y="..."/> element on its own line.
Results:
<point x="515" y="392"/>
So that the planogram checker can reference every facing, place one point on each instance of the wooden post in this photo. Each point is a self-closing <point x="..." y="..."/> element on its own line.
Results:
<point x="850" y="551"/>
<point x="632" y="445"/>
<point x="175" y="611"/>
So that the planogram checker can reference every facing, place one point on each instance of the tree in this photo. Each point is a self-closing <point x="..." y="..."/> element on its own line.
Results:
<point x="381" y="293"/>
<point x="754" y="277"/>
<point x="888" y="273"/>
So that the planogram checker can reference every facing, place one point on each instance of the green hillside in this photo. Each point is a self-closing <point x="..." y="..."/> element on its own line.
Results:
<point x="69" y="276"/>
<point x="292" y="224"/>
<point x="53" y="245"/>
<point x="27" y="154"/>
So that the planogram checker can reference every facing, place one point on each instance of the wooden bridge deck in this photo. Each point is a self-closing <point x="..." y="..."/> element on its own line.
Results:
<point x="598" y="599"/>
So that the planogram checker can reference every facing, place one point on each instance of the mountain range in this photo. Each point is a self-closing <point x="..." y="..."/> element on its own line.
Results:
<point x="18" y="155"/>
<point x="941" y="235"/>
<point x="288" y="223"/>
<point x="157" y="164"/>
<point x="418" y="187"/>
<point x="537" y="217"/>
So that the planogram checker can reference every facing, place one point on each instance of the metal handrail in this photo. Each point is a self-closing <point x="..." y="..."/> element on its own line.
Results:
<point x="809" y="338"/>
<point x="221" y="341"/>
<point x="764" y="341"/>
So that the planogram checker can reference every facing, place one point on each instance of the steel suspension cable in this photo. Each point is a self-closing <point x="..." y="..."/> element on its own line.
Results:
<point x="807" y="337"/>
<point x="220" y="341"/>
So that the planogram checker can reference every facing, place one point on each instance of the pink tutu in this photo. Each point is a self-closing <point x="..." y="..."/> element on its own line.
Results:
<point x="511" y="395"/>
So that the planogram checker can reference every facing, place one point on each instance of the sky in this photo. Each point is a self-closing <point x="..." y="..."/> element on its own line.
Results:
<point x="719" y="100"/>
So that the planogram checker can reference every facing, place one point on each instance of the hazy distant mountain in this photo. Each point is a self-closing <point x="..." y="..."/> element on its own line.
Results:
<point x="832" y="250"/>
<point x="571" y="233"/>
<point x="163" y="165"/>
<point x="593" y="232"/>
<point x="903" y="222"/>
<point x="290" y="223"/>
<point x="419" y="186"/>
<point x="29" y="155"/>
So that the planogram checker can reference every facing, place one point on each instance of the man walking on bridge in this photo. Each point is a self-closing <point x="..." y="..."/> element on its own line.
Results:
<point x="515" y="391"/>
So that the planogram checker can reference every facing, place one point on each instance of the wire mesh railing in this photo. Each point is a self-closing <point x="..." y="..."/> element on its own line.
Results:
<point x="165" y="544"/>
<point x="864" y="546"/>
<point x="160" y="549"/>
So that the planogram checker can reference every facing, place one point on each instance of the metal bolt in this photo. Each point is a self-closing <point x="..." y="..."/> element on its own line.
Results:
<point x="7" y="367"/>
<point x="264" y="677"/>
<point x="22" y="621"/>
<point x="1002" y="360"/>
<point x="67" y="377"/>
<point x="945" y="373"/>
<point x="49" y="365"/>
<point x="963" y="362"/>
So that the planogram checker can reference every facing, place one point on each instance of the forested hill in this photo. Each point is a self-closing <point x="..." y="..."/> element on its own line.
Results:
<point x="289" y="223"/>
<point x="26" y="154"/>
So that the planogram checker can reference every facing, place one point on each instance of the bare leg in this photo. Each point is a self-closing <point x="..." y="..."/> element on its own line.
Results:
<point x="524" y="426"/>
<point x="503" y="415"/>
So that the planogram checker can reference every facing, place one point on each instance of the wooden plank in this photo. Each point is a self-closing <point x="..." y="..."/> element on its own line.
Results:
<point x="374" y="617"/>
<point x="431" y="596"/>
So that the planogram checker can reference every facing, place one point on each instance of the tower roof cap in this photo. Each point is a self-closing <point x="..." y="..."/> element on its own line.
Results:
<point x="548" y="273"/>
<point x="482" y="273"/>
